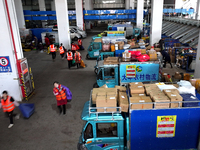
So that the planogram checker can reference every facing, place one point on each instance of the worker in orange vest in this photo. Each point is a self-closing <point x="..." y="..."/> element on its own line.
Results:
<point x="62" y="51"/>
<point x="74" y="47"/>
<point x="69" y="58"/>
<point x="8" y="104"/>
<point x="61" y="97"/>
<point x="77" y="57"/>
<point x="53" y="51"/>
<point x="80" y="44"/>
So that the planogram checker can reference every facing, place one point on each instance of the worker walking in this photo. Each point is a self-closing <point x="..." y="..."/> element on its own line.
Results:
<point x="77" y="57"/>
<point x="80" y="44"/>
<point x="69" y="58"/>
<point x="166" y="58"/>
<point x="61" y="97"/>
<point x="62" y="51"/>
<point x="8" y="104"/>
<point x="53" y="51"/>
<point x="74" y="47"/>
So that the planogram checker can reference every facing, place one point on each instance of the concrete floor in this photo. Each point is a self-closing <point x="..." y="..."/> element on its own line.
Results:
<point x="46" y="129"/>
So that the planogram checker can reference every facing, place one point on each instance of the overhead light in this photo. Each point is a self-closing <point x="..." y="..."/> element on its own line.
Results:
<point x="109" y="1"/>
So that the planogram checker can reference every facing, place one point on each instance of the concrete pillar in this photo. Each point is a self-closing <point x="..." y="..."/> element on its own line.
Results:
<point x="63" y="23"/>
<point x="42" y="7"/>
<point x="197" y="15"/>
<point x="156" y="21"/>
<point x="89" y="5"/>
<point x="132" y="4"/>
<point x="140" y="14"/>
<point x="197" y="70"/>
<point x="53" y="7"/>
<point x="10" y="45"/>
<point x="79" y="14"/>
<point x="127" y="4"/>
<point x="20" y="14"/>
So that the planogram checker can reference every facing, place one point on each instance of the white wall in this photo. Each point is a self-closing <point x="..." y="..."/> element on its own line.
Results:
<point x="8" y="80"/>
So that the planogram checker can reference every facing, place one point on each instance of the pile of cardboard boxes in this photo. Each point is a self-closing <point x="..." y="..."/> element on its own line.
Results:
<point x="148" y="93"/>
<point x="110" y="97"/>
<point x="111" y="60"/>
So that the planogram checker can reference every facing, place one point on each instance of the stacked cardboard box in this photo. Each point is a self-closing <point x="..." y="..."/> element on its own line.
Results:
<point x="111" y="60"/>
<point x="126" y="56"/>
<point x="174" y="96"/>
<point x="141" y="100"/>
<point x="143" y="51"/>
<point x="150" y="87"/>
<point x="161" y="99"/>
<point x="137" y="88"/>
<point x="120" y="45"/>
<point x="153" y="55"/>
<point x="123" y="101"/>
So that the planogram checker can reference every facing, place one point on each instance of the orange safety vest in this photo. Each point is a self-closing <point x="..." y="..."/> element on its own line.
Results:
<point x="61" y="95"/>
<point x="61" y="50"/>
<point x="69" y="56"/>
<point x="73" y="48"/>
<point x="52" y="48"/>
<point x="7" y="105"/>
<point x="79" y="56"/>
<point x="79" y="42"/>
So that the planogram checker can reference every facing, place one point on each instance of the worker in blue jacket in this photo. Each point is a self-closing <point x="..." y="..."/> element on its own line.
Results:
<point x="166" y="58"/>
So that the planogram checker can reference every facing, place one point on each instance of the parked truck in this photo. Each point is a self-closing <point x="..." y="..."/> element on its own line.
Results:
<point x="122" y="73"/>
<point x="139" y="129"/>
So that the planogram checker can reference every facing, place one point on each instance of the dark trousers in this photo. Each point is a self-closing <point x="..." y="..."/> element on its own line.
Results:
<point x="62" y="55"/>
<point x="10" y="115"/>
<point x="62" y="108"/>
<point x="78" y="65"/>
<point x="166" y="62"/>
<point x="69" y="63"/>
<point x="53" y="55"/>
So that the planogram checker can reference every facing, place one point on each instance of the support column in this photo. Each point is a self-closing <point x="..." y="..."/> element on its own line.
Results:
<point x="132" y="4"/>
<point x="140" y="14"/>
<point x="127" y="4"/>
<point x="10" y="45"/>
<point x="63" y="23"/>
<point x="178" y="4"/>
<point x="53" y="7"/>
<point x="20" y="14"/>
<point x="197" y="70"/>
<point x="197" y="15"/>
<point x="42" y="7"/>
<point x="79" y="14"/>
<point x="88" y="6"/>
<point x="156" y="21"/>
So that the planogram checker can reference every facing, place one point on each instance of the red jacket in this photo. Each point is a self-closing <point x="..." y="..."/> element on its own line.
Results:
<point x="77" y="47"/>
<point x="47" y="41"/>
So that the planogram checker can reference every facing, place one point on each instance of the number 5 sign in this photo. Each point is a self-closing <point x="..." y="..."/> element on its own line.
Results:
<point x="5" y="64"/>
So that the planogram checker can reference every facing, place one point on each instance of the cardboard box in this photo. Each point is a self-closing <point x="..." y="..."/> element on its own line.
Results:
<point x="166" y="91"/>
<point x="153" y="57"/>
<point x="148" y="47"/>
<point x="109" y="61"/>
<point x="124" y="106"/>
<point x="120" y="88"/>
<point x="104" y="86"/>
<point x="98" y="40"/>
<point x="100" y="102"/>
<point x="123" y="96"/>
<point x="161" y="99"/>
<point x="111" y="101"/>
<point x="143" y="51"/>
<point x="95" y="91"/>
<point x="137" y="90"/>
<point x="132" y="84"/>
<point x="157" y="49"/>
<point x="175" y="97"/>
<point x="156" y="93"/>
<point x="142" y="100"/>
<point x="150" y="87"/>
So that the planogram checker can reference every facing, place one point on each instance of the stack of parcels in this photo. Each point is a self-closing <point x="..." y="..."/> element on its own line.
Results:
<point x="153" y="55"/>
<point x="190" y="97"/>
<point x="141" y="100"/>
<point x="111" y="60"/>
<point x="137" y="88"/>
<point x="143" y="51"/>
<point x="150" y="87"/>
<point x="120" y="45"/>
<point x="126" y="56"/>
<point x="174" y="96"/>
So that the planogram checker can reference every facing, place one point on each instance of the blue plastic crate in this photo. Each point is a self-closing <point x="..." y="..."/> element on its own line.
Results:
<point x="27" y="109"/>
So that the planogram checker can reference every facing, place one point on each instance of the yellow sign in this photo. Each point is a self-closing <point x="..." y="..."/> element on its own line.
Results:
<point x="166" y="126"/>
<point x="131" y="71"/>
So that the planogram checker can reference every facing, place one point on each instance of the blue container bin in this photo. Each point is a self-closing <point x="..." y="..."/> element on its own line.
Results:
<point x="27" y="109"/>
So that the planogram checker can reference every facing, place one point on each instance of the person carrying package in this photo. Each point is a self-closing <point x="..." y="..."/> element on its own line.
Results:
<point x="62" y="51"/>
<point x="166" y="58"/>
<point x="74" y="47"/>
<point x="60" y="93"/>
<point x="69" y="58"/>
<point x="8" y="104"/>
<point x="77" y="57"/>
<point x="53" y="51"/>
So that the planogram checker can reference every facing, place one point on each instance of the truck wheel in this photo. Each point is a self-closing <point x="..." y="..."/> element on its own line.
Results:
<point x="95" y="85"/>
<point x="75" y="39"/>
<point x="95" y="70"/>
<point x="87" y="56"/>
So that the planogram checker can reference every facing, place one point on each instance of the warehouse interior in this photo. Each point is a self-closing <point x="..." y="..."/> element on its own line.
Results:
<point x="115" y="35"/>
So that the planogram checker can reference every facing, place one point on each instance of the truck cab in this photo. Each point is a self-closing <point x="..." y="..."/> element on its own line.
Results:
<point x="94" y="49"/>
<point x="107" y="74"/>
<point x="102" y="130"/>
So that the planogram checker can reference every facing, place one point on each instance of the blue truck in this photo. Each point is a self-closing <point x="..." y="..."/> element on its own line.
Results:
<point x="140" y="129"/>
<point x="118" y="74"/>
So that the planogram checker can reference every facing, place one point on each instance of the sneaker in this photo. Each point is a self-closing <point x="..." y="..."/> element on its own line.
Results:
<point x="10" y="126"/>
<point x="17" y="116"/>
